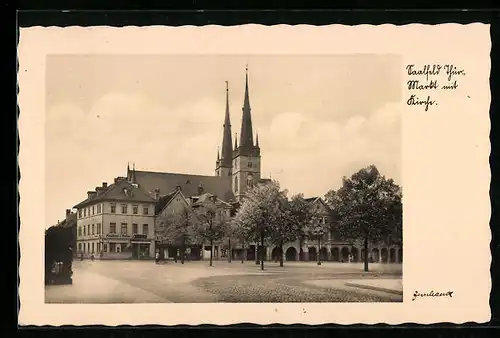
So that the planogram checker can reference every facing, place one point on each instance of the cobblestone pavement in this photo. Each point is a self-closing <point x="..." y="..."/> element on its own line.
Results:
<point x="146" y="282"/>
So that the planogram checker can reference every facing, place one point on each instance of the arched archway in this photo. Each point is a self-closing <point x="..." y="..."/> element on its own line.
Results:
<point x="276" y="254"/>
<point x="291" y="254"/>
<point x="355" y="254"/>
<point x="375" y="256"/>
<point x="392" y="255"/>
<point x="313" y="254"/>
<point x="323" y="254"/>
<point x="385" y="255"/>
<point x="344" y="254"/>
<point x="400" y="255"/>
<point x="335" y="254"/>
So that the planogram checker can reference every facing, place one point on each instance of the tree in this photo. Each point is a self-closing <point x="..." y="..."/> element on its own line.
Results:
<point x="316" y="230"/>
<point x="302" y="212"/>
<point x="211" y="222"/>
<point x="286" y="226"/>
<point x="367" y="207"/>
<point x="257" y="214"/>
<point x="177" y="229"/>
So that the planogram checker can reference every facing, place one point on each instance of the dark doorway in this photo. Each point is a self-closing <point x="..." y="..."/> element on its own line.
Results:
<point x="335" y="254"/>
<point x="355" y="254"/>
<point x="323" y="254"/>
<point x="400" y="255"/>
<point x="385" y="255"/>
<point x="276" y="254"/>
<point x="291" y="254"/>
<point x="313" y="254"/>
<point x="251" y="253"/>
<point x="345" y="254"/>
<point x="392" y="255"/>
<point x="375" y="257"/>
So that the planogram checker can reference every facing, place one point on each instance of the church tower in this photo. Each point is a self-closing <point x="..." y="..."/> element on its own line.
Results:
<point x="224" y="164"/>
<point x="246" y="155"/>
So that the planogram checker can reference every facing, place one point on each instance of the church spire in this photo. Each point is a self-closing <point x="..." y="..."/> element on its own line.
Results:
<point x="246" y="136"/>
<point x="227" y="152"/>
<point x="257" y="140"/>
<point x="236" y="141"/>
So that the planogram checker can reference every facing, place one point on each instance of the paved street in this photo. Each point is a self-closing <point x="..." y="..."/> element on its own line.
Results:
<point x="146" y="282"/>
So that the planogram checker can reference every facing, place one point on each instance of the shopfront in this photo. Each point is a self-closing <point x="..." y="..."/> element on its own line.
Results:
<point x="140" y="246"/>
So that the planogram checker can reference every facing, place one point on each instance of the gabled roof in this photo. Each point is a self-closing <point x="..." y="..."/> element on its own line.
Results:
<point x="189" y="184"/>
<point x="121" y="190"/>
<point x="316" y="199"/>
<point x="163" y="201"/>
<point x="207" y="198"/>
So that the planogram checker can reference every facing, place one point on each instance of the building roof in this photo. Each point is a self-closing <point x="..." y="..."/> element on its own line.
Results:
<point x="121" y="190"/>
<point x="189" y="184"/>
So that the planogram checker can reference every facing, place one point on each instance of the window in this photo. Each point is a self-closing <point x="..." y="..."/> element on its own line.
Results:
<point x="92" y="247"/>
<point x="145" y="210"/>
<point x="98" y="228"/>
<point x="135" y="209"/>
<point x="112" y="228"/>
<point x="93" y="229"/>
<point x="145" y="229"/>
<point x="124" y="229"/>
<point x="84" y="231"/>
<point x="124" y="208"/>
<point x="105" y="247"/>
<point x="79" y="231"/>
<point x="79" y="246"/>
<point x="85" y="212"/>
<point x="236" y="184"/>
<point x="93" y="210"/>
<point x="113" y="208"/>
<point x="118" y="248"/>
<point x="112" y="247"/>
<point x="134" y="228"/>
<point x="88" y="229"/>
<point x="99" y="208"/>
<point x="80" y="213"/>
<point x="249" y="164"/>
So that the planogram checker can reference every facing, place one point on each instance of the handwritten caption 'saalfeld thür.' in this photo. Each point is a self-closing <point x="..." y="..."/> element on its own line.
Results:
<point x="431" y="78"/>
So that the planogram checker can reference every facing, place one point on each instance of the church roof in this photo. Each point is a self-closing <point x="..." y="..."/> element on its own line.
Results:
<point x="121" y="190"/>
<point x="189" y="184"/>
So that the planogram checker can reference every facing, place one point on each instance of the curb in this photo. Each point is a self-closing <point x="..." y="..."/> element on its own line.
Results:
<point x="375" y="288"/>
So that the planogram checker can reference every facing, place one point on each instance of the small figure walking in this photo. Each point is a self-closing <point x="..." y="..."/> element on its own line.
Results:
<point x="157" y="258"/>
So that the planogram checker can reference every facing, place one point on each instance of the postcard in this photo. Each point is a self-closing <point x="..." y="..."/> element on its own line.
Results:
<point x="254" y="174"/>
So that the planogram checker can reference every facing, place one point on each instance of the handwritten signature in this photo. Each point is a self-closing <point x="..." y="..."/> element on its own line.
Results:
<point x="417" y="294"/>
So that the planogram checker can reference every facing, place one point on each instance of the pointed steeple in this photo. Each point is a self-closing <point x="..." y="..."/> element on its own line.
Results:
<point x="257" y="140"/>
<point x="128" y="171"/>
<point x="236" y="141"/>
<point x="246" y="136"/>
<point x="218" y="157"/>
<point x="227" y="152"/>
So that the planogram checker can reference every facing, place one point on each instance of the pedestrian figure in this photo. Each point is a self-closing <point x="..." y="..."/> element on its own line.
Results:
<point x="157" y="258"/>
<point x="81" y="256"/>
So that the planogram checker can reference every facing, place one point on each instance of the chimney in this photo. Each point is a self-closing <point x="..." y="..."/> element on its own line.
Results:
<point x="104" y="184"/>
<point x="68" y="211"/>
<point x="178" y="187"/>
<point x="157" y="194"/>
<point x="91" y="194"/>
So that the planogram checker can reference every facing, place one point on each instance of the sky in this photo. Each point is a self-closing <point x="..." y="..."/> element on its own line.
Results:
<point x="319" y="118"/>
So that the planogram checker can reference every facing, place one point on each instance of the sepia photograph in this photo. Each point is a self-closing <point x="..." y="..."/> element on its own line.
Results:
<point x="223" y="178"/>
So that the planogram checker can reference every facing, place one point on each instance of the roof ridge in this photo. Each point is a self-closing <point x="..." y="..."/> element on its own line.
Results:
<point x="176" y="173"/>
